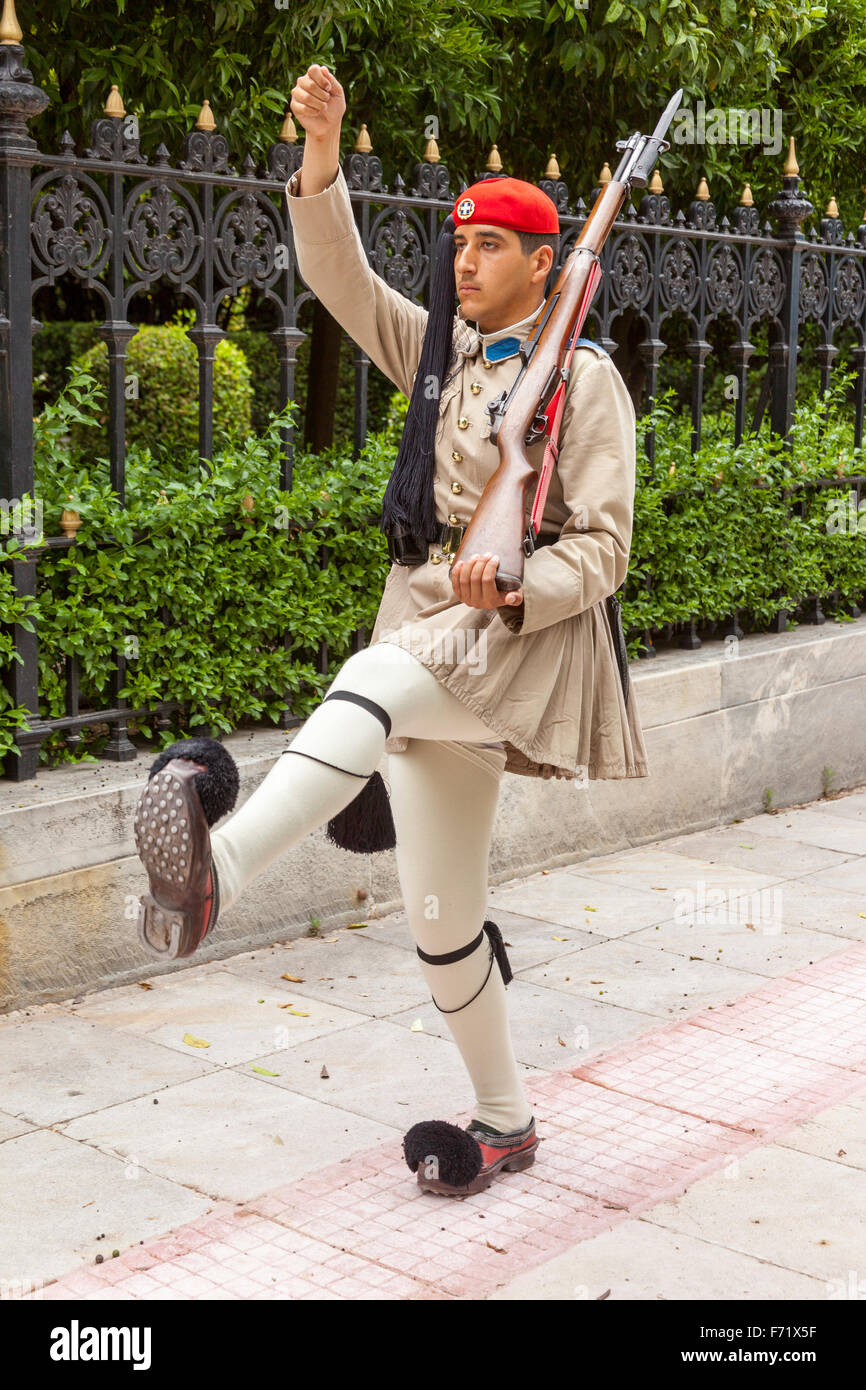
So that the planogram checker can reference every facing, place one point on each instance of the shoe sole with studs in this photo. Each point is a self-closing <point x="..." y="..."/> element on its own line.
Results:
<point x="173" y="843"/>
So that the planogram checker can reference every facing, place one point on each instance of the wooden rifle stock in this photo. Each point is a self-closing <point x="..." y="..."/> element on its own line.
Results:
<point x="498" y="524"/>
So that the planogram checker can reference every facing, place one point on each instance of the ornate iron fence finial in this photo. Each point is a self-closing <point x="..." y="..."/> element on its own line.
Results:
<point x="114" y="105"/>
<point x="10" y="29"/>
<point x="205" y="117"/>
<point x="288" y="132"/>
<point x="792" y="168"/>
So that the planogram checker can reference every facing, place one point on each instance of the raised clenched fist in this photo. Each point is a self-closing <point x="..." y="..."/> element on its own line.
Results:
<point x="319" y="102"/>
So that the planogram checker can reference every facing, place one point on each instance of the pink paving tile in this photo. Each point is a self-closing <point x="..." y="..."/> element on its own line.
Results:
<point x="636" y="1125"/>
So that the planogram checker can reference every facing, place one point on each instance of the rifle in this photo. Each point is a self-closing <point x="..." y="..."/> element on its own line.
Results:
<point x="533" y="406"/>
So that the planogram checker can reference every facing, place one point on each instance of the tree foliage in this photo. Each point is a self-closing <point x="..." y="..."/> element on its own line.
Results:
<point x="532" y="76"/>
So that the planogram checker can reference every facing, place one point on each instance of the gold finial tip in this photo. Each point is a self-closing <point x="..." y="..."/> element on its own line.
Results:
<point x="10" y="29"/>
<point x="656" y="185"/>
<point x="363" y="144"/>
<point x="605" y="176"/>
<point x="205" y="117"/>
<point x="552" y="170"/>
<point x="703" y="192"/>
<point x="832" y="209"/>
<point x="747" y="201"/>
<point x="114" y="105"/>
<point x="792" y="168"/>
<point x="288" y="134"/>
<point x="494" y="162"/>
<point x="431" y="152"/>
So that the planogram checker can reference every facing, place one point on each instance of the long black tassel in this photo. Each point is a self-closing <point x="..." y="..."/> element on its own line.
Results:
<point x="409" y="501"/>
<point x="366" y="825"/>
<point x="495" y="936"/>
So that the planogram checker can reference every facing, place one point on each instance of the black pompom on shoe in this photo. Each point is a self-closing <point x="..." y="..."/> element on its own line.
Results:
<point x="439" y="1151"/>
<point x="459" y="1162"/>
<point x="218" y="785"/>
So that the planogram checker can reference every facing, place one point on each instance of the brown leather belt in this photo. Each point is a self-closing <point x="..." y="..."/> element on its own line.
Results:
<point x="450" y="538"/>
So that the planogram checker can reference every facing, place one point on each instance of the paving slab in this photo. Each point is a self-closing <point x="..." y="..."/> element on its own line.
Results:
<point x="740" y="946"/>
<point x="239" y="1018"/>
<point x="379" y="1070"/>
<point x="550" y="1028"/>
<point x="54" y="1068"/>
<point x="750" y="1210"/>
<point x="642" y="1261"/>
<point x="746" y="846"/>
<point x="11" y="1126"/>
<point x="65" y="1194"/>
<point x="228" y="1136"/>
<point x="665" y="873"/>
<point x="662" y="984"/>
<point x="837" y="1134"/>
<point x="597" y="905"/>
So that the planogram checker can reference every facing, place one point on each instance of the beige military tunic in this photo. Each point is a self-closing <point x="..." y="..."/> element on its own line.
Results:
<point x="544" y="676"/>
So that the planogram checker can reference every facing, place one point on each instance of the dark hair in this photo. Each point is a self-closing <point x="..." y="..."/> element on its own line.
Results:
<point x="530" y="241"/>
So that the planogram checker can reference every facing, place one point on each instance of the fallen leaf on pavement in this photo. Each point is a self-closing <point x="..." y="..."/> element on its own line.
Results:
<point x="263" y="1071"/>
<point x="295" y="979"/>
<point x="194" y="1042"/>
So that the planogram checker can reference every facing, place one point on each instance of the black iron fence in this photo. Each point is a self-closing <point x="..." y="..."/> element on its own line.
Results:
<point x="120" y="221"/>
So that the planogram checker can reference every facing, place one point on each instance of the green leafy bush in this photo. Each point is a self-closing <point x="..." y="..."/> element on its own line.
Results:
<point x="213" y="605"/>
<point x="161" y="372"/>
<point x="739" y="528"/>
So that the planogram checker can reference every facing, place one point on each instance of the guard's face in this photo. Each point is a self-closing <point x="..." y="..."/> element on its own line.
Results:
<point x="492" y="276"/>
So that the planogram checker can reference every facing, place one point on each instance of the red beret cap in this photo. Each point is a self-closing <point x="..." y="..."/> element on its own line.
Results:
<point x="507" y="202"/>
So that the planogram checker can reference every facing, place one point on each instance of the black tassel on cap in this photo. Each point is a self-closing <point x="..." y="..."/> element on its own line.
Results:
<point x="409" y="501"/>
<point x="366" y="825"/>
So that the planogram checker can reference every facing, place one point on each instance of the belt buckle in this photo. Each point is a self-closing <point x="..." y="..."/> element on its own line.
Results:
<point x="452" y="537"/>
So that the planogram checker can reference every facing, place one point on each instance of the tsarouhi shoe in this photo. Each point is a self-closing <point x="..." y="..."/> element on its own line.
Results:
<point x="192" y="784"/>
<point x="458" y="1162"/>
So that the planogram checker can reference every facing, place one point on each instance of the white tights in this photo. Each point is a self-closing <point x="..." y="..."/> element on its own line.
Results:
<point x="443" y="794"/>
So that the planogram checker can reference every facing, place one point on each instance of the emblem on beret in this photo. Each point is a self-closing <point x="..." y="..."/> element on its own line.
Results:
<point x="465" y="208"/>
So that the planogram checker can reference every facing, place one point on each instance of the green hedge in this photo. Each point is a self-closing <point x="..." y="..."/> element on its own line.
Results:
<point x="59" y="345"/>
<point x="203" y="615"/>
<point x="162" y="389"/>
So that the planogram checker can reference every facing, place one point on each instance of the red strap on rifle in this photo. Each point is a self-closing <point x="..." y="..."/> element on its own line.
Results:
<point x="553" y="414"/>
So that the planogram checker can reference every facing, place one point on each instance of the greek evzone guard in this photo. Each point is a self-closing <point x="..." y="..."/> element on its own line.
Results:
<point x="457" y="685"/>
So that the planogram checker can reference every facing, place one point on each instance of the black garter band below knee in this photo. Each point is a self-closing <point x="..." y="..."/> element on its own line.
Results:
<point x="451" y="957"/>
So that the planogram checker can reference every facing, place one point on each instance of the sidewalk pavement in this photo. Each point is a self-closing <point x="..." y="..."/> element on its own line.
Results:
<point x="690" y="1020"/>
